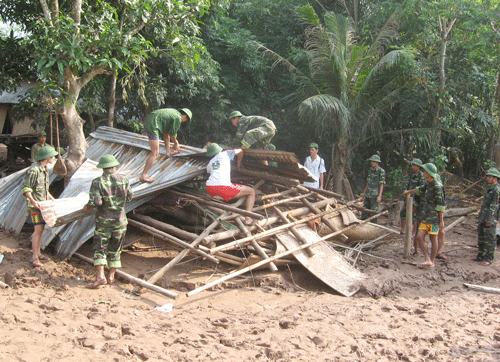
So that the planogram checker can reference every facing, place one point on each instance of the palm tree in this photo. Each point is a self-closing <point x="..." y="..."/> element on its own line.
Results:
<point x="345" y="87"/>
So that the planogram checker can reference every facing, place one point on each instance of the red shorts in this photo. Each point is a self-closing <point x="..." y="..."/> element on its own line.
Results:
<point x="226" y="192"/>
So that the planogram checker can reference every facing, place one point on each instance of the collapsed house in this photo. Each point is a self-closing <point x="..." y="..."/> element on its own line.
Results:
<point x="293" y="221"/>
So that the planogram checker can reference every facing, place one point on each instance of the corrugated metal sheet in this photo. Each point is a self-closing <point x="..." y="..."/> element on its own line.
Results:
<point x="12" y="203"/>
<point x="132" y="151"/>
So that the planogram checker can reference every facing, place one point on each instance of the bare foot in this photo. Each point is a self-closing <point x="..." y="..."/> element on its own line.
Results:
<point x="97" y="283"/>
<point x="146" y="179"/>
<point x="36" y="263"/>
<point x="249" y="221"/>
<point x="426" y="265"/>
<point x="485" y="263"/>
<point x="110" y="280"/>
<point x="441" y="256"/>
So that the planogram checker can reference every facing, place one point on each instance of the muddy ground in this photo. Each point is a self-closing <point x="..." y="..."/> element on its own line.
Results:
<point x="401" y="313"/>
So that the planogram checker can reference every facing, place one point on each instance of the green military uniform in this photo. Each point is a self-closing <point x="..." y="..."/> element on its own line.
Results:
<point x="431" y="201"/>
<point x="36" y="181"/>
<point x="487" y="240"/>
<point x="161" y="121"/>
<point x="415" y="180"/>
<point x="254" y="131"/>
<point x="374" y="179"/>
<point x="108" y="194"/>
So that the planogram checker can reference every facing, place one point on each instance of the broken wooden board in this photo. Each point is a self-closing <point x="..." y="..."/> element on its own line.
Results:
<point x="326" y="263"/>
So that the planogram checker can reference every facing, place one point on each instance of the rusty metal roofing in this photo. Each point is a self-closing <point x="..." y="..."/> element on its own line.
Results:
<point x="132" y="151"/>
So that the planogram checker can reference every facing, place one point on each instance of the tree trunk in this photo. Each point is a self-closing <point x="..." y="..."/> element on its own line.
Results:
<point x="497" y="146"/>
<point x="340" y="156"/>
<point x="74" y="130"/>
<point x="112" y="100"/>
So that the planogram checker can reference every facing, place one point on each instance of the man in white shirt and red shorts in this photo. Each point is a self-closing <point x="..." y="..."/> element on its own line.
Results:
<point x="219" y="183"/>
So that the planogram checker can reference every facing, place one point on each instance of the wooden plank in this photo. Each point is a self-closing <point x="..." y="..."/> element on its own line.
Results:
<point x="483" y="289"/>
<point x="326" y="263"/>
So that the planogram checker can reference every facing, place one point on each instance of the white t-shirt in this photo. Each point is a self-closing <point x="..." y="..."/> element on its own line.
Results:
<point x="219" y="168"/>
<point x="316" y="168"/>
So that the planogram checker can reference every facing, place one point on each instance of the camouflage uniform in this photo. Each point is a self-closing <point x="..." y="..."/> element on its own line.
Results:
<point x="108" y="194"/>
<point x="374" y="179"/>
<point x="166" y="120"/>
<point x="431" y="201"/>
<point x="489" y="214"/>
<point x="36" y="181"/>
<point x="416" y="180"/>
<point x="254" y="131"/>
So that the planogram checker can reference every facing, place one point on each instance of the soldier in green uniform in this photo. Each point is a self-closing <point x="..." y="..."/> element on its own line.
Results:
<point x="416" y="179"/>
<point x="163" y="123"/>
<point x="42" y="138"/>
<point x="252" y="131"/>
<point x="432" y="210"/>
<point x="374" y="188"/>
<point x="36" y="188"/>
<point x="108" y="194"/>
<point x="488" y="219"/>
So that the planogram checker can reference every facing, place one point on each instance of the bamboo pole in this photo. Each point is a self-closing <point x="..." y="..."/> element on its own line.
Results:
<point x="135" y="280"/>
<point x="278" y="256"/>
<point x="269" y="221"/>
<point x="284" y="201"/>
<point x="222" y="206"/>
<point x="266" y="233"/>
<point x="256" y="246"/>
<point x="269" y="176"/>
<point x="167" y="237"/>
<point x="454" y="223"/>
<point x="325" y="192"/>
<point x="284" y="193"/>
<point x="483" y="289"/>
<point x="409" y="225"/>
<point x="164" y="227"/>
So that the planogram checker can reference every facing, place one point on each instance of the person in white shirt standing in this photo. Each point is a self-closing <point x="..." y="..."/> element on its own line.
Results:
<point x="219" y="183"/>
<point x="316" y="166"/>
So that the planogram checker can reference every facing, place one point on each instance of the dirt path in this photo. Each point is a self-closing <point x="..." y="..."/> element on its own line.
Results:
<point x="401" y="313"/>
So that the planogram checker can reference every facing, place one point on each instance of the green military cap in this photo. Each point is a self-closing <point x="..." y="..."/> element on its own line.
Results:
<point x="46" y="152"/>
<point x="314" y="145"/>
<point x="213" y="149"/>
<point x="235" y="114"/>
<point x="42" y="134"/>
<point x="431" y="169"/>
<point x="61" y="150"/>
<point x="188" y="113"/>
<point x="493" y="172"/>
<point x="375" y="158"/>
<point x="417" y="162"/>
<point x="107" y="161"/>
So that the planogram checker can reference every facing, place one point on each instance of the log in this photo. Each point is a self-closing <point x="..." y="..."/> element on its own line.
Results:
<point x="385" y="228"/>
<point x="459" y="211"/>
<point x="135" y="280"/>
<point x="3" y="285"/>
<point x="169" y="238"/>
<point x="283" y="201"/>
<point x="266" y="233"/>
<point x="222" y="206"/>
<point x="284" y="193"/>
<point x="278" y="256"/>
<point x="256" y="246"/>
<point x="483" y="289"/>
<point x="409" y="225"/>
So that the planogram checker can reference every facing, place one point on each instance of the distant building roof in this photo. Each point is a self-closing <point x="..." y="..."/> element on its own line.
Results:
<point x="14" y="97"/>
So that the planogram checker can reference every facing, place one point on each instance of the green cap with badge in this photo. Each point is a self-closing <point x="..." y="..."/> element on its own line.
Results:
<point x="375" y="158"/>
<point x="46" y="152"/>
<point x="493" y="172"/>
<point x="213" y="149"/>
<point x="235" y="114"/>
<point x="431" y="169"/>
<point x="107" y="161"/>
